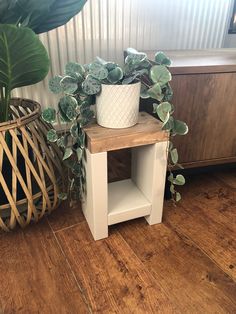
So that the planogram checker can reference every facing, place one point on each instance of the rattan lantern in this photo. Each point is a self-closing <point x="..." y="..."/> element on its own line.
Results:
<point x="30" y="167"/>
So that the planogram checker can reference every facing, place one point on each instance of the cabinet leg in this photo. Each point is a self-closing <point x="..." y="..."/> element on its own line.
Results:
<point x="95" y="202"/>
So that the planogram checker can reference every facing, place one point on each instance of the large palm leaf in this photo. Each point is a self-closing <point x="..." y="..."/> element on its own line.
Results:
<point x="23" y="61"/>
<point x="39" y="15"/>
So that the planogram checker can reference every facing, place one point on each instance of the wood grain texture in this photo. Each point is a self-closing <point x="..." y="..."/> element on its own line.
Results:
<point x="228" y="177"/>
<point x="202" y="83"/>
<point x="200" y="61"/>
<point x="146" y="131"/>
<point x="188" y="276"/>
<point x="208" y="216"/>
<point x="66" y="216"/>
<point x="35" y="276"/>
<point x="113" y="278"/>
<point x="184" y="265"/>
<point x="208" y="162"/>
<point x="206" y="102"/>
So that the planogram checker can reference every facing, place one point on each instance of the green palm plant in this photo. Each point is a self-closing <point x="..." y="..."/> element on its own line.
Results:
<point x="23" y="58"/>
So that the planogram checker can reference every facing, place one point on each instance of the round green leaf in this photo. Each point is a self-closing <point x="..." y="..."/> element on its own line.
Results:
<point x="169" y="124"/>
<point x="171" y="178"/>
<point x="133" y="54"/>
<point x="71" y="113"/>
<point x="66" y="105"/>
<point x="177" y="196"/>
<point x="174" y="156"/>
<point x="49" y="115"/>
<point x="179" y="180"/>
<point x="68" y="152"/>
<point x="54" y="84"/>
<point x="91" y="86"/>
<point x="74" y="68"/>
<point x="180" y="127"/>
<point x="163" y="110"/>
<point x="52" y="136"/>
<point x="115" y="75"/>
<point x="172" y="189"/>
<point x="98" y="71"/>
<point x="129" y="79"/>
<point x="143" y="92"/>
<point x="161" y="58"/>
<point x="155" y="92"/>
<point x="69" y="84"/>
<point x="160" y="74"/>
<point x="24" y="60"/>
<point x="66" y="101"/>
<point x="111" y="66"/>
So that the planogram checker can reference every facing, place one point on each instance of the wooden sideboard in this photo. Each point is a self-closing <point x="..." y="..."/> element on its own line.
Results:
<point x="204" y="85"/>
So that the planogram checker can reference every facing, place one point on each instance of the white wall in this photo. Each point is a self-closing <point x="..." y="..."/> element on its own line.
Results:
<point x="107" y="27"/>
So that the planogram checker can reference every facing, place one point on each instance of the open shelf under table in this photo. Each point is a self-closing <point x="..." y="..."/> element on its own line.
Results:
<point x="125" y="202"/>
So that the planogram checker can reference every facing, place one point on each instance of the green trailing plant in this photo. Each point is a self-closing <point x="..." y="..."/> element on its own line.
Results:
<point x="23" y="58"/>
<point x="155" y="84"/>
<point x="74" y="112"/>
<point x="77" y="86"/>
<point x="102" y="72"/>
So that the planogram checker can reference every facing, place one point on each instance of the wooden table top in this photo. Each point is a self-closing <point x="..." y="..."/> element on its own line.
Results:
<point x="146" y="131"/>
<point x="200" y="61"/>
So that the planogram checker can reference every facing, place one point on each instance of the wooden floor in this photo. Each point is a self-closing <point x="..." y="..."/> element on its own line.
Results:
<point x="187" y="264"/>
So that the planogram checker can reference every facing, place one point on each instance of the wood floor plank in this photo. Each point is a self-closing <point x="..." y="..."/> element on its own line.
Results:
<point x="66" y="216"/>
<point x="215" y="239"/>
<point x="192" y="281"/>
<point x="227" y="176"/>
<point x="207" y="215"/>
<point x="213" y="195"/>
<point x="35" y="277"/>
<point x="113" y="278"/>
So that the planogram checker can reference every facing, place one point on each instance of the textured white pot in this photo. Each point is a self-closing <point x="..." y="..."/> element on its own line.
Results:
<point x="117" y="106"/>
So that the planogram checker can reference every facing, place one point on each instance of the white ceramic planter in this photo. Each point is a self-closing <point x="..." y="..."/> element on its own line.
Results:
<point x="117" y="106"/>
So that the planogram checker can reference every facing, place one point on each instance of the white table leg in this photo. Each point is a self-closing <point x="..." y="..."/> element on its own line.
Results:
<point x="95" y="202"/>
<point x="149" y="173"/>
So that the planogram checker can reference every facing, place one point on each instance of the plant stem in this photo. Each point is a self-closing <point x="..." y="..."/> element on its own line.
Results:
<point x="7" y="103"/>
<point x="2" y="94"/>
<point x="1" y="104"/>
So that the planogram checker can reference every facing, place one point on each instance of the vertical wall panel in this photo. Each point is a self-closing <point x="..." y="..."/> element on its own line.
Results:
<point x="107" y="27"/>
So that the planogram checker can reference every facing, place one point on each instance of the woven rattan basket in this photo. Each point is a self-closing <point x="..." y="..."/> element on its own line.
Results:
<point x="30" y="168"/>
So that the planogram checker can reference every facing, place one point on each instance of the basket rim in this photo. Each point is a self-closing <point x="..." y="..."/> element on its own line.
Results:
<point x="27" y="118"/>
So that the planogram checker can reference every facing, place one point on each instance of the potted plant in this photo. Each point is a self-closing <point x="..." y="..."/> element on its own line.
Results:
<point x="29" y="166"/>
<point x="117" y="92"/>
<point x="78" y="86"/>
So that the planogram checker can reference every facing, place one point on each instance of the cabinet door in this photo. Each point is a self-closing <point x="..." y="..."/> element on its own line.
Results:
<point x="207" y="102"/>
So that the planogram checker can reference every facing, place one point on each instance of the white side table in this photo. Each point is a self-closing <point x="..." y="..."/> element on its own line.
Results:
<point x="141" y="195"/>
